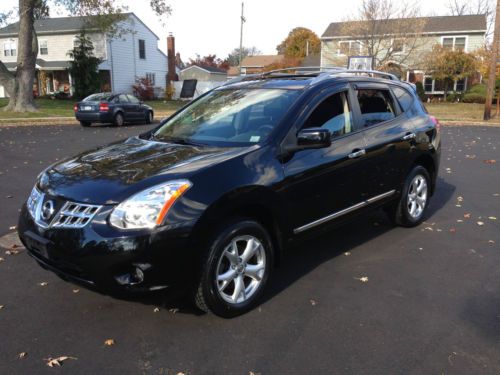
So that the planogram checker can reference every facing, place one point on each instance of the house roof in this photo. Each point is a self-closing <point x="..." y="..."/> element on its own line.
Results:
<point x="233" y="71"/>
<point x="59" y="25"/>
<point x="209" y="69"/>
<point x="259" y="61"/>
<point x="43" y="65"/>
<point x="431" y="25"/>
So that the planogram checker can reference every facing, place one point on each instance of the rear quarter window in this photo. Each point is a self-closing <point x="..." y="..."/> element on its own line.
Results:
<point x="405" y="99"/>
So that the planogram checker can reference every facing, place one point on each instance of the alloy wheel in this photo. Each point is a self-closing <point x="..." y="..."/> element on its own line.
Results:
<point x="417" y="196"/>
<point x="240" y="269"/>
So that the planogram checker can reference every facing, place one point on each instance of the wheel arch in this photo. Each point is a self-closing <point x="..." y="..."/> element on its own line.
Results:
<point x="428" y="163"/>
<point x="255" y="203"/>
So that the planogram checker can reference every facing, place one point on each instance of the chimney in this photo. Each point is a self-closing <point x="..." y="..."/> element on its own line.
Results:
<point x="172" y="76"/>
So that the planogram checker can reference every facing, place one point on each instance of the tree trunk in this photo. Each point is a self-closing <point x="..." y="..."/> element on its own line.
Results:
<point x="20" y="86"/>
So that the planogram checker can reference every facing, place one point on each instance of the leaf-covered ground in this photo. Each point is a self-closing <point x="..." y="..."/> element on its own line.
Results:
<point x="367" y="298"/>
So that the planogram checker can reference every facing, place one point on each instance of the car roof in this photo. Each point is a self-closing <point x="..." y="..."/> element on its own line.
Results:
<point x="302" y="77"/>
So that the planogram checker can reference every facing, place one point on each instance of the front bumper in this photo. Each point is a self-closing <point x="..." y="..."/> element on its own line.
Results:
<point x="103" y="258"/>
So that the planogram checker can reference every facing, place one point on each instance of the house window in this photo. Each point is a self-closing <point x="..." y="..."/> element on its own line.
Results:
<point x="44" y="49"/>
<point x="454" y="43"/>
<point x="437" y="86"/>
<point x="398" y="45"/>
<point x="10" y="48"/>
<point x="151" y="78"/>
<point x="349" y="48"/>
<point x="142" y="49"/>
<point x="429" y="84"/>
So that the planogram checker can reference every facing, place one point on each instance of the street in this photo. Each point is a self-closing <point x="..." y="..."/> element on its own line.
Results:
<point x="367" y="298"/>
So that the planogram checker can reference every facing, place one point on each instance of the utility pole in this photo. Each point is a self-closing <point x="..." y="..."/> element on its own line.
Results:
<point x="493" y="66"/>
<point x="243" y="20"/>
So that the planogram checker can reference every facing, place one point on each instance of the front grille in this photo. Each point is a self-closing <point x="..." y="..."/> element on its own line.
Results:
<point x="74" y="215"/>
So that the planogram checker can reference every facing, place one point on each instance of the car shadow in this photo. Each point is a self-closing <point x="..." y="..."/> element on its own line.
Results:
<point x="299" y="260"/>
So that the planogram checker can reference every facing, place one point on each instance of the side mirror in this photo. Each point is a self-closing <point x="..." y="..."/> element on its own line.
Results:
<point x="314" y="138"/>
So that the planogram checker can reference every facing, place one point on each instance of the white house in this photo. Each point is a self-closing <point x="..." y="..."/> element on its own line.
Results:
<point x="135" y="54"/>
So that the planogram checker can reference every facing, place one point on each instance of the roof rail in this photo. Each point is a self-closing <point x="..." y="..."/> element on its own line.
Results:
<point x="372" y="73"/>
<point x="319" y="72"/>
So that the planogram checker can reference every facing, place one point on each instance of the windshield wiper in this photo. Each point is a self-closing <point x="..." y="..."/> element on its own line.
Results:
<point x="176" y="140"/>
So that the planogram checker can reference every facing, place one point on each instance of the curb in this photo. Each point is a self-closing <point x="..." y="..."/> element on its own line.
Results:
<point x="5" y="123"/>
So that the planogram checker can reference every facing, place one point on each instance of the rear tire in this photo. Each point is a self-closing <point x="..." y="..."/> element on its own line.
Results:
<point x="149" y="117"/>
<point x="118" y="120"/>
<point x="85" y="124"/>
<point x="409" y="211"/>
<point x="235" y="270"/>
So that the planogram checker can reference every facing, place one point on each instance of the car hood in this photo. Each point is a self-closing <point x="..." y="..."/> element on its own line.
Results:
<point x="110" y="174"/>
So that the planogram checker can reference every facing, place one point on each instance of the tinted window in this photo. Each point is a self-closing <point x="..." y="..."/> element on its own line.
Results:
<point x="123" y="98"/>
<point x="404" y="97"/>
<point x="376" y="106"/>
<point x="334" y="114"/>
<point x="97" y="97"/>
<point x="229" y="117"/>
<point x="133" y="99"/>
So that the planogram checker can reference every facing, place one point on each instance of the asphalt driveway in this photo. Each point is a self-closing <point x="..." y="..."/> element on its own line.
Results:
<point x="367" y="298"/>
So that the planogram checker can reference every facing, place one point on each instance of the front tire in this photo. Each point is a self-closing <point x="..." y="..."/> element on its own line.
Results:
<point x="235" y="270"/>
<point x="409" y="211"/>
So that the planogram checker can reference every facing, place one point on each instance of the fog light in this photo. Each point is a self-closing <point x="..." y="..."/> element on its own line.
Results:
<point x="133" y="278"/>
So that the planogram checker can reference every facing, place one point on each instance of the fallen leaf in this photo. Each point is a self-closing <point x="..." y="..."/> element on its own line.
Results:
<point x="313" y="302"/>
<point x="491" y="242"/>
<point x="12" y="252"/>
<point x="51" y="362"/>
<point x="467" y="215"/>
<point x="43" y="283"/>
<point x="421" y="248"/>
<point x="428" y="228"/>
<point x="12" y="227"/>
<point x="1" y="307"/>
<point x="480" y="223"/>
<point x="460" y="221"/>
<point x="458" y="205"/>
<point x="492" y="217"/>
<point x="460" y="199"/>
<point x="1" y="259"/>
<point x="363" y="279"/>
<point x="173" y="311"/>
<point x="453" y="230"/>
<point x="490" y="161"/>
<point x="347" y="253"/>
<point x="76" y="290"/>
<point x="22" y="355"/>
<point x="109" y="342"/>
<point x="156" y="309"/>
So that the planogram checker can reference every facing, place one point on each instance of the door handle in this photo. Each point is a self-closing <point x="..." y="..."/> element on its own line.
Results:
<point x="409" y="136"/>
<point x="357" y="154"/>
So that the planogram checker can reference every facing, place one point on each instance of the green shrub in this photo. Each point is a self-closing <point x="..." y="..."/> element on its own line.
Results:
<point x="474" y="98"/>
<point x="454" y="97"/>
<point x="479" y="89"/>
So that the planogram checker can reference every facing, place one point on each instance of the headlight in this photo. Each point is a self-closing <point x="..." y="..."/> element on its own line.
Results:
<point x="148" y="208"/>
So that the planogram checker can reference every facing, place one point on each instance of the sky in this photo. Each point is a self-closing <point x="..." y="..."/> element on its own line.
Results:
<point x="213" y="27"/>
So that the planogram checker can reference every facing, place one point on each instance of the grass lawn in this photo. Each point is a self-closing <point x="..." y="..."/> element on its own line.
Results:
<point x="64" y="108"/>
<point x="456" y="111"/>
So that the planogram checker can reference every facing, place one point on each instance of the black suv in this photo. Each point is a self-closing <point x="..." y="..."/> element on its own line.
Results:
<point x="210" y="199"/>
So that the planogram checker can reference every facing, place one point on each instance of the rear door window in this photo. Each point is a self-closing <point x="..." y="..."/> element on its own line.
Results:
<point x="405" y="99"/>
<point x="376" y="106"/>
<point x="123" y="98"/>
<point x="334" y="114"/>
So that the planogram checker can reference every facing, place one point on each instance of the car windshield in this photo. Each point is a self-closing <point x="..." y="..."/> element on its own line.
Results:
<point x="97" y="97"/>
<point x="229" y="117"/>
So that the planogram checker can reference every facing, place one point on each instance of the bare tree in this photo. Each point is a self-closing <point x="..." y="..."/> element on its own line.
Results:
<point x="465" y="7"/>
<point x="388" y="30"/>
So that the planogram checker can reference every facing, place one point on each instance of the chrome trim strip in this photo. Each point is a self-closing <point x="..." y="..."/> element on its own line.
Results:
<point x="343" y="212"/>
